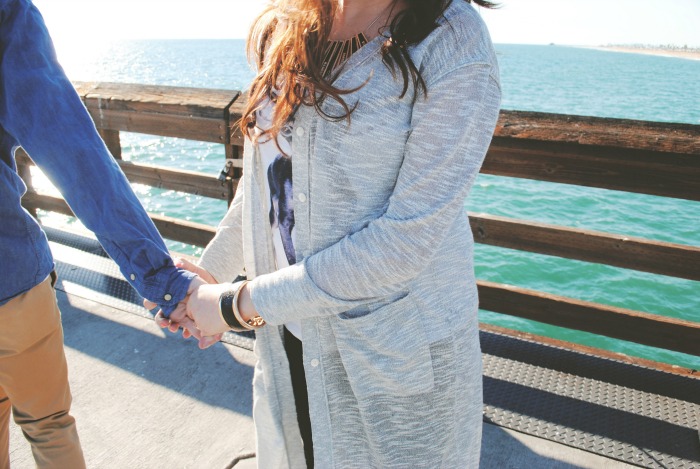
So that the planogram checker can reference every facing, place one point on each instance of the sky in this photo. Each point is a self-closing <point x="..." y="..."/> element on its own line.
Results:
<point x="566" y="22"/>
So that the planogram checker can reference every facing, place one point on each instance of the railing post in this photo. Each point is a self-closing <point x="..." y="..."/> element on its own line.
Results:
<point x="232" y="151"/>
<point x="111" y="139"/>
<point x="24" y="171"/>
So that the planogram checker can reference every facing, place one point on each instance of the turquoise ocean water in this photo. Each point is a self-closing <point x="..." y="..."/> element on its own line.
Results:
<point x="556" y="79"/>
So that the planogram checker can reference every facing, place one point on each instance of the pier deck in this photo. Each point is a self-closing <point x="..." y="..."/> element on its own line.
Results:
<point x="145" y="398"/>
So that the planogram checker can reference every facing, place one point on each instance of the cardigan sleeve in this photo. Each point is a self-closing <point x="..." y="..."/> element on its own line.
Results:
<point x="223" y="256"/>
<point x="451" y="131"/>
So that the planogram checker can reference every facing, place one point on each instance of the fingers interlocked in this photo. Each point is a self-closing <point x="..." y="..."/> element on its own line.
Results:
<point x="194" y="313"/>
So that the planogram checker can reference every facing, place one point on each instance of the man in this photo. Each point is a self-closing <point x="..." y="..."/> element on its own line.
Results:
<point x="40" y="110"/>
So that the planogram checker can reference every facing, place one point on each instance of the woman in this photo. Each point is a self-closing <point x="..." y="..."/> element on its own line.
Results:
<point x="376" y="116"/>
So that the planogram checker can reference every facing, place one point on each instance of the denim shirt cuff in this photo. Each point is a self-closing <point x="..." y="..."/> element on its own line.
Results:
<point x="166" y="287"/>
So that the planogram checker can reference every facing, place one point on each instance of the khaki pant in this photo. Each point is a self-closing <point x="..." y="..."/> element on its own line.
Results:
<point x="34" y="380"/>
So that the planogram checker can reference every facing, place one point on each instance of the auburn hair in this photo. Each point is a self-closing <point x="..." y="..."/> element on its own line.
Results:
<point x="286" y="43"/>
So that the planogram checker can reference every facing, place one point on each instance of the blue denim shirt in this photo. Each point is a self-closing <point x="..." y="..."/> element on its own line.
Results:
<point x="41" y="111"/>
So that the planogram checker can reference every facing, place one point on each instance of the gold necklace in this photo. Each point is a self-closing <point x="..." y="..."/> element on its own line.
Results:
<point x="338" y="52"/>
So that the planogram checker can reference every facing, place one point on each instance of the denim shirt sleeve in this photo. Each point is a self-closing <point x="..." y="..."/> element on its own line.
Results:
<point x="41" y="109"/>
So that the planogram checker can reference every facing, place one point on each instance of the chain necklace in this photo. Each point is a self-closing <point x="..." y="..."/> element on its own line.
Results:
<point x="337" y="53"/>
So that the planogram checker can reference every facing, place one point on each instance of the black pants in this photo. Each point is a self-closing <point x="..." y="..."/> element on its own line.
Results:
<point x="293" y="347"/>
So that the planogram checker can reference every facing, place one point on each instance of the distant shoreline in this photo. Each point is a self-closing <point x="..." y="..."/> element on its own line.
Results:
<point x="691" y="54"/>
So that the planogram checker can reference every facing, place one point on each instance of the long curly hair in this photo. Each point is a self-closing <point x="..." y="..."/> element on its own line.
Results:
<point x="287" y="41"/>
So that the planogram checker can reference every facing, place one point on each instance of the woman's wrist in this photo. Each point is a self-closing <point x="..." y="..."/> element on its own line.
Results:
<point x="237" y="309"/>
<point x="228" y="309"/>
<point x="245" y="304"/>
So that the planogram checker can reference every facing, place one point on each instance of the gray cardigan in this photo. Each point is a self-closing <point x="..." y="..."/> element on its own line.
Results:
<point x="384" y="285"/>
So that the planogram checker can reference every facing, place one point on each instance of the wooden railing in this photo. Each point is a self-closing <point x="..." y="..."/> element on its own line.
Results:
<point x="641" y="157"/>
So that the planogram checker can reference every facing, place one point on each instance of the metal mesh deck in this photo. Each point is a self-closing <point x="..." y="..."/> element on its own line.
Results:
<point x="625" y="412"/>
<point x="618" y="410"/>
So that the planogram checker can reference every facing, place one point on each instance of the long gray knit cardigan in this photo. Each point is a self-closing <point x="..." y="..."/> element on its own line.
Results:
<point x="384" y="285"/>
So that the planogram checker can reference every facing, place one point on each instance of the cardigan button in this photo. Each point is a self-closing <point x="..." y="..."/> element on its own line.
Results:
<point x="315" y="362"/>
<point x="168" y="297"/>
<point x="132" y="277"/>
<point x="300" y="131"/>
<point x="301" y="197"/>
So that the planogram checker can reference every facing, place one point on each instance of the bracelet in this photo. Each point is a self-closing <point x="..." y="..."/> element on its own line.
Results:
<point x="228" y="308"/>
<point x="226" y="304"/>
<point x="254" y="323"/>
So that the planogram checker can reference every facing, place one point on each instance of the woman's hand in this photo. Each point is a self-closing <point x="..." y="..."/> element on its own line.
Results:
<point x="181" y="263"/>
<point x="205" y="341"/>
<point x="203" y="308"/>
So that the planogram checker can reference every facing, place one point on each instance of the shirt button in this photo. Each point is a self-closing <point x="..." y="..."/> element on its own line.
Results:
<point x="132" y="277"/>
<point x="168" y="297"/>
<point x="301" y="197"/>
<point x="300" y="131"/>
<point x="314" y="362"/>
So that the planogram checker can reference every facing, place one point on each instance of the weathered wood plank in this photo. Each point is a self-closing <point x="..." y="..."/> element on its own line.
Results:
<point x="191" y="182"/>
<point x="641" y="171"/>
<point x="619" y="323"/>
<point x="628" y="252"/>
<point x="520" y="125"/>
<point x="34" y="201"/>
<point x="183" y="231"/>
<point x="600" y="131"/>
<point x="190" y="113"/>
<point x="171" y="228"/>
<point x="166" y="125"/>
<point x="579" y="130"/>
<point x="156" y="99"/>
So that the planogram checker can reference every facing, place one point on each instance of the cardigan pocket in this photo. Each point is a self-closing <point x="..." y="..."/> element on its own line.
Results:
<point x="386" y="351"/>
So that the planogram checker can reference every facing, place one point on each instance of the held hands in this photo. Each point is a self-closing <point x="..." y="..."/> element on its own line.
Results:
<point x="206" y="308"/>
